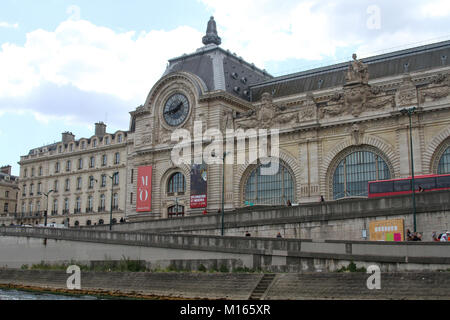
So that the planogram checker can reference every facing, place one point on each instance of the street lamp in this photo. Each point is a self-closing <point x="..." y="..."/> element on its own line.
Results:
<point x="223" y="188"/>
<point x="46" y="207"/>
<point x="112" y="185"/>
<point x="410" y="112"/>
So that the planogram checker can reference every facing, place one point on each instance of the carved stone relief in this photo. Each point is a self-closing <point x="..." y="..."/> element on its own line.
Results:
<point x="266" y="115"/>
<point x="406" y="94"/>
<point x="438" y="89"/>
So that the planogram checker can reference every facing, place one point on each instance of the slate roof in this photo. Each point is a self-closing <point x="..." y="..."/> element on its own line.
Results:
<point x="220" y="70"/>
<point x="390" y="64"/>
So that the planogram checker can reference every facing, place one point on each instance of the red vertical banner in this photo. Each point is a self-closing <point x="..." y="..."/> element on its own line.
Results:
<point x="144" y="189"/>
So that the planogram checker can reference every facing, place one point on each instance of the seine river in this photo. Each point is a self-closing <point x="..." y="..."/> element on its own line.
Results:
<point x="25" y="295"/>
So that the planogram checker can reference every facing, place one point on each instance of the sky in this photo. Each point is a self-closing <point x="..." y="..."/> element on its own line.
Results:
<point x="66" y="64"/>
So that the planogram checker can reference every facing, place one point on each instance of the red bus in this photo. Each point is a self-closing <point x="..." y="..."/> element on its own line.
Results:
<point x="431" y="182"/>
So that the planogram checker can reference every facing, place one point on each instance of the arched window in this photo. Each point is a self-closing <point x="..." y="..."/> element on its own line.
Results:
<point x="274" y="189"/>
<point x="88" y="223"/>
<point x="101" y="221"/>
<point x="175" y="210"/>
<point x="77" y="223"/>
<point x="355" y="171"/>
<point x="444" y="162"/>
<point x="176" y="184"/>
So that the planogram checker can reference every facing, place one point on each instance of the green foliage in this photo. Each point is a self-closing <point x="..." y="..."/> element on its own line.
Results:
<point x="24" y="267"/>
<point x="201" y="268"/>
<point x="352" y="268"/>
<point x="223" y="268"/>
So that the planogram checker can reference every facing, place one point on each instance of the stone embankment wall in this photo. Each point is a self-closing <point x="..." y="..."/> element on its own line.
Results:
<point x="333" y="220"/>
<point x="33" y="245"/>
<point x="406" y="285"/>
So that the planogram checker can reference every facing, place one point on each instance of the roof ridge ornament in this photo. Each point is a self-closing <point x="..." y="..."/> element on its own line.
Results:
<point x="211" y="36"/>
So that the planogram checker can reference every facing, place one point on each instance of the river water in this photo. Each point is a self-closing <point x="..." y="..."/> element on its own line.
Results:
<point x="25" y="295"/>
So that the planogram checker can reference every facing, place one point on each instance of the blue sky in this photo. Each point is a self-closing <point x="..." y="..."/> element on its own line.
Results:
<point x="66" y="64"/>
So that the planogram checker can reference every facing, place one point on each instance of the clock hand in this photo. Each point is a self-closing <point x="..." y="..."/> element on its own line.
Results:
<point x="174" y="110"/>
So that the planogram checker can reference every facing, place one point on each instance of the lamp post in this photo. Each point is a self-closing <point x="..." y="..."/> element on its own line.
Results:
<point x="112" y="186"/>
<point x="46" y="207"/>
<point x="223" y="189"/>
<point x="410" y="112"/>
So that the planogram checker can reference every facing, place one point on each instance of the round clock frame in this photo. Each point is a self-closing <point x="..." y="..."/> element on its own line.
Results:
<point x="176" y="110"/>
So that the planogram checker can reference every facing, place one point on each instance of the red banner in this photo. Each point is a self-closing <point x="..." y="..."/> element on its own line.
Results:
<point x="144" y="189"/>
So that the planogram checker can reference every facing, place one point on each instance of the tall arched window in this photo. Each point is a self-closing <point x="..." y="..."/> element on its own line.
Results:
<point x="274" y="189"/>
<point x="355" y="171"/>
<point x="176" y="184"/>
<point x="444" y="162"/>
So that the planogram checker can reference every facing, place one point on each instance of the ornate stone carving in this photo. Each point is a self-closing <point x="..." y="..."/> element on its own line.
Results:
<point x="308" y="110"/>
<point x="357" y="72"/>
<point x="357" y="132"/>
<point x="439" y="88"/>
<point x="380" y="102"/>
<point x="147" y="138"/>
<point x="355" y="98"/>
<point x="406" y="94"/>
<point x="266" y="115"/>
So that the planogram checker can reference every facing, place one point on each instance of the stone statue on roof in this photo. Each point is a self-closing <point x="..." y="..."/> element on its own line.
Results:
<point x="357" y="72"/>
<point x="211" y="36"/>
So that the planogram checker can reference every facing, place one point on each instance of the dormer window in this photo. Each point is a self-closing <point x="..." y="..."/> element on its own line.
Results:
<point x="94" y="143"/>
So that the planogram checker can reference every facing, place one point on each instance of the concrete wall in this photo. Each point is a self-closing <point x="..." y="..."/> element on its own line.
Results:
<point x="294" y="286"/>
<point x="336" y="220"/>
<point x="32" y="245"/>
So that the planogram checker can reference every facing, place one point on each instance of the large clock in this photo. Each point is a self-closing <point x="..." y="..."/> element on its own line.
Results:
<point x="176" y="109"/>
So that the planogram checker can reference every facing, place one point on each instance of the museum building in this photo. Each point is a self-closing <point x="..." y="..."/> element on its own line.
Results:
<point x="339" y="126"/>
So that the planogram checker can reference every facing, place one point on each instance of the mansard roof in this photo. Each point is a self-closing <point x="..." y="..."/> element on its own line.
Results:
<point x="220" y="70"/>
<point x="384" y="65"/>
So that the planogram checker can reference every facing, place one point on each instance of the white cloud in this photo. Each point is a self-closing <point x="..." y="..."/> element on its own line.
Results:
<point x="435" y="8"/>
<point x="92" y="58"/>
<point x="266" y="30"/>
<point x="4" y="24"/>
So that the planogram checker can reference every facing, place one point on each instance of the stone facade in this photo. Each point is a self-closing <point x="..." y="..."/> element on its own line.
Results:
<point x="66" y="168"/>
<point x="9" y="191"/>
<point x="318" y="128"/>
<point x="323" y="116"/>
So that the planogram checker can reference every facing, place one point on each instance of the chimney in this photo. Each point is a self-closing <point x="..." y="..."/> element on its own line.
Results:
<point x="67" y="137"/>
<point x="6" y="169"/>
<point x="100" y="129"/>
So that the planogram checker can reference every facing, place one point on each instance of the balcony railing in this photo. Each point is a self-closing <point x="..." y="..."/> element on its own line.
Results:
<point x="77" y="210"/>
<point x="54" y="212"/>
<point x="101" y="209"/>
<point x="89" y="210"/>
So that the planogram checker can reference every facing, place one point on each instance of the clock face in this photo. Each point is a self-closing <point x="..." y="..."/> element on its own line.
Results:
<point x="176" y="109"/>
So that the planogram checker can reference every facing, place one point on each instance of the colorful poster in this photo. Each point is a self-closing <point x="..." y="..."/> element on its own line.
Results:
<point x="199" y="185"/>
<point x="386" y="230"/>
<point x="144" y="189"/>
